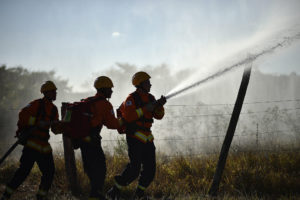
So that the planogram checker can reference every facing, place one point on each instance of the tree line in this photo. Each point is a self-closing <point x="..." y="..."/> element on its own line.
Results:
<point x="19" y="86"/>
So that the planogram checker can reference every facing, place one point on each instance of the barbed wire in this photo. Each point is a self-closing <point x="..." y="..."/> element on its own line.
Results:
<point x="217" y="153"/>
<point x="229" y="104"/>
<point x="214" y="114"/>
<point x="217" y="104"/>
<point x="228" y="114"/>
<point x="161" y="156"/>
<point x="254" y="133"/>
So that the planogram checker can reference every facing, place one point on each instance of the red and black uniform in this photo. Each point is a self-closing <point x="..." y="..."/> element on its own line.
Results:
<point x="141" y="149"/>
<point x="91" y="150"/>
<point x="36" y="147"/>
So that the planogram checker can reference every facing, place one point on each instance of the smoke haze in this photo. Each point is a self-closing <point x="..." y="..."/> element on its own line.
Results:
<point x="195" y="39"/>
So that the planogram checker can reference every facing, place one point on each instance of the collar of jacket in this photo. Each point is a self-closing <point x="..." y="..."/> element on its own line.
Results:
<point x="46" y="101"/>
<point x="99" y="95"/>
<point x="141" y="92"/>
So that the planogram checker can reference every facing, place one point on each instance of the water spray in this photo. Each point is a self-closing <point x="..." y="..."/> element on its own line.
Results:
<point x="286" y="41"/>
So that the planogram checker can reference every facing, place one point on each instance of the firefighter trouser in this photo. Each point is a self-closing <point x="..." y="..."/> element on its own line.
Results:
<point x="29" y="157"/>
<point x="140" y="155"/>
<point x="94" y="165"/>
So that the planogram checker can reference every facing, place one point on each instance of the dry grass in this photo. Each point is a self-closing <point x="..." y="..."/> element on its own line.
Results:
<point x="247" y="176"/>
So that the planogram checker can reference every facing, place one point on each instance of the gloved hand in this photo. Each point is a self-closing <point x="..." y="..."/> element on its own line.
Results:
<point x="23" y="134"/>
<point x="162" y="100"/>
<point x="57" y="127"/>
<point x="150" y="106"/>
<point x="122" y="128"/>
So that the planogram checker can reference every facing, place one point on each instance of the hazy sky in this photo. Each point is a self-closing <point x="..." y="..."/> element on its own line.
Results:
<point x="77" y="38"/>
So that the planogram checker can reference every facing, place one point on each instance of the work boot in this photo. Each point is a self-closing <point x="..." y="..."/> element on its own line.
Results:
<point x="114" y="193"/>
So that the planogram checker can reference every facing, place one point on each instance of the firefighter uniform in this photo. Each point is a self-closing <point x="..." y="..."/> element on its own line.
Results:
<point x="141" y="149"/>
<point x="92" y="154"/>
<point x="36" y="147"/>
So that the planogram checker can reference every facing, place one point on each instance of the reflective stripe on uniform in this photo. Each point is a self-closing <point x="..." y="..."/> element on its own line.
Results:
<point x="31" y="120"/>
<point x="139" y="112"/>
<point x="141" y="187"/>
<point x="38" y="147"/>
<point x="144" y="138"/>
<point x="150" y="138"/>
<point x="118" y="185"/>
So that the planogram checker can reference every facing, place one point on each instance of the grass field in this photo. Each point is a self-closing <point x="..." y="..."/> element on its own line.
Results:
<point x="247" y="176"/>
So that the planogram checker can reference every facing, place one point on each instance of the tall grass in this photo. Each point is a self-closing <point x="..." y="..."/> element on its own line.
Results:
<point x="246" y="176"/>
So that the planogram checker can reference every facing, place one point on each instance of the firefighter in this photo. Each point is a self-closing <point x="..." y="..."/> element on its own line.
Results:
<point x="91" y="150"/>
<point x="138" y="111"/>
<point x="37" y="118"/>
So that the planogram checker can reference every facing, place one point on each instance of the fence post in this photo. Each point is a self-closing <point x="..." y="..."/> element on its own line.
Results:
<point x="257" y="135"/>
<point x="230" y="132"/>
<point x="70" y="163"/>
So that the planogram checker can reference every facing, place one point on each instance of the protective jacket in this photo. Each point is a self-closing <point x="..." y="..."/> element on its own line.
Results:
<point x="36" y="111"/>
<point x="134" y="112"/>
<point x="103" y="114"/>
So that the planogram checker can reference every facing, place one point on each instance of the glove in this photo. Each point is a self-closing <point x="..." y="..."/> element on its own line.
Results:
<point x="57" y="127"/>
<point x="23" y="134"/>
<point x="162" y="100"/>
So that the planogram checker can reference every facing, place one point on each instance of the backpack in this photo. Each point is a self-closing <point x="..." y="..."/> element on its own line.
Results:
<point x="25" y="131"/>
<point x="77" y="117"/>
<point x="130" y="128"/>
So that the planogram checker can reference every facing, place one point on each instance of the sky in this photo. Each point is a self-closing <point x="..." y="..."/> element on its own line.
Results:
<point x="78" y="38"/>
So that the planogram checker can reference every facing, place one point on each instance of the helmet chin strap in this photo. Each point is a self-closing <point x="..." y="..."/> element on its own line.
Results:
<point x="48" y="97"/>
<point x="105" y="93"/>
<point x="141" y="88"/>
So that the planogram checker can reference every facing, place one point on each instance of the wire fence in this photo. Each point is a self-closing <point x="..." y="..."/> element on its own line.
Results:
<point x="214" y="114"/>
<point x="188" y="153"/>
<point x="211" y="105"/>
<point x="257" y="135"/>
<point x="250" y="134"/>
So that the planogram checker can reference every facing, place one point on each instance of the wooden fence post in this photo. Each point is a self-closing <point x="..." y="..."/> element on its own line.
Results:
<point x="230" y="132"/>
<point x="70" y="163"/>
<point x="257" y="135"/>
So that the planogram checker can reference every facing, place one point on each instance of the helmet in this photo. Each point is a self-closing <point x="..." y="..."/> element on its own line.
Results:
<point x="48" y="86"/>
<point x="140" y="77"/>
<point x="103" y="82"/>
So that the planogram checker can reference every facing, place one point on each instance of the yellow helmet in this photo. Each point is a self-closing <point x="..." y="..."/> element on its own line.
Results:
<point x="140" y="77"/>
<point x="48" y="86"/>
<point x="103" y="82"/>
